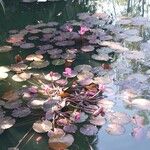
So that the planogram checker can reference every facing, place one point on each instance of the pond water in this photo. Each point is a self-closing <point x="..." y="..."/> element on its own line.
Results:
<point x="118" y="58"/>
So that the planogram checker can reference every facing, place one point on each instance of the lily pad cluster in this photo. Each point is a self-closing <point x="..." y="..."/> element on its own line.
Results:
<point x="77" y="99"/>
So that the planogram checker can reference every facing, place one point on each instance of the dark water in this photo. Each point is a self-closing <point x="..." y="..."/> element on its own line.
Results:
<point x="17" y="16"/>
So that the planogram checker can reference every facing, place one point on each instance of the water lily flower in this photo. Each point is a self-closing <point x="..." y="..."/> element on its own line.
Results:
<point x="68" y="71"/>
<point x="101" y="88"/>
<point x="46" y="88"/>
<point x="69" y="28"/>
<point x="33" y="90"/>
<point x="77" y="116"/>
<point x="83" y="29"/>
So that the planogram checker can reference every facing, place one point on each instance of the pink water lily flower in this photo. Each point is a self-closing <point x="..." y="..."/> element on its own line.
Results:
<point x="33" y="90"/>
<point x="69" y="28"/>
<point x="83" y="29"/>
<point x="101" y="87"/>
<point x="68" y="71"/>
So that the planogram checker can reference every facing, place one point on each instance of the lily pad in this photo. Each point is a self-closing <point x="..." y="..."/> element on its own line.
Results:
<point x="21" y="112"/>
<point x="11" y="96"/>
<point x="83" y="68"/>
<point x="34" y="57"/>
<point x="100" y="57"/>
<point x="58" y="62"/>
<point x="3" y="75"/>
<point x="4" y="69"/>
<point x="141" y="103"/>
<point x="88" y="48"/>
<point x="89" y="130"/>
<point x="18" y="67"/>
<point x="56" y="133"/>
<point x="36" y="103"/>
<point x="98" y="121"/>
<point x="52" y="76"/>
<point x="5" y="49"/>
<point x="21" y="77"/>
<point x="134" y="39"/>
<point x="7" y="122"/>
<point x="61" y="143"/>
<point x="39" y="64"/>
<point x="27" y="45"/>
<point x="42" y="126"/>
<point x="115" y="129"/>
<point x="119" y="118"/>
<point x="70" y="128"/>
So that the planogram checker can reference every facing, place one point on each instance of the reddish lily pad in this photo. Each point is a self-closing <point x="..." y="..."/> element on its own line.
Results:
<point x="11" y="96"/>
<point x="61" y="143"/>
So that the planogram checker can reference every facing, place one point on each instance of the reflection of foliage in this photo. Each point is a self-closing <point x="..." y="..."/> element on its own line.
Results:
<point x="2" y="4"/>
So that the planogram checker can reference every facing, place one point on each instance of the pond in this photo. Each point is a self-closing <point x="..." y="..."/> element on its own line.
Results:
<point x="75" y="74"/>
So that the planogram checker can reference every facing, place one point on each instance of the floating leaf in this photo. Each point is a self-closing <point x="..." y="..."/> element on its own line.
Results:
<point x="52" y="76"/>
<point x="119" y="118"/>
<point x="140" y="103"/>
<point x="34" y="57"/>
<point x="58" y="62"/>
<point x="18" y="67"/>
<point x="39" y="64"/>
<point x="13" y="105"/>
<point x="83" y="68"/>
<point x="21" y="77"/>
<point x="100" y="57"/>
<point x="42" y="126"/>
<point x="5" y="49"/>
<point x="11" y="96"/>
<point x="4" y="69"/>
<point x="3" y="75"/>
<point x="56" y="133"/>
<point x="61" y="143"/>
<point x="27" y="45"/>
<point x="89" y="130"/>
<point x="21" y="112"/>
<point x="36" y="103"/>
<point x="7" y="122"/>
<point x="98" y="121"/>
<point x="88" y="48"/>
<point x="134" y="39"/>
<point x="70" y="128"/>
<point x="115" y="129"/>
